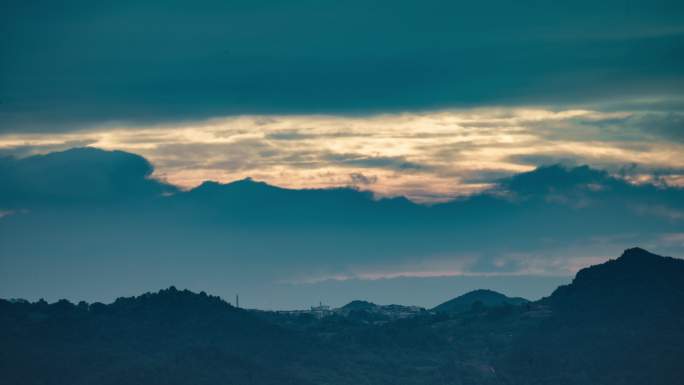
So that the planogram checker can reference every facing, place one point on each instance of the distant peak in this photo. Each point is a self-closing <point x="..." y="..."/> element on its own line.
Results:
<point x="485" y="296"/>
<point x="636" y="277"/>
<point x="483" y="291"/>
<point x="634" y="251"/>
<point x="637" y="253"/>
<point x="358" y="304"/>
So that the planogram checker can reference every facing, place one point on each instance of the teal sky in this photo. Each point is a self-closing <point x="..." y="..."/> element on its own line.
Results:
<point x="357" y="146"/>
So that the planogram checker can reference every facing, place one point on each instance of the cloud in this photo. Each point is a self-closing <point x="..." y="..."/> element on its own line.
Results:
<point x="77" y="177"/>
<point x="359" y="179"/>
<point x="229" y="58"/>
<point x="304" y="134"/>
<point x="94" y="218"/>
<point x="22" y="151"/>
<point x="669" y="125"/>
<point x="386" y="162"/>
<point x="431" y="156"/>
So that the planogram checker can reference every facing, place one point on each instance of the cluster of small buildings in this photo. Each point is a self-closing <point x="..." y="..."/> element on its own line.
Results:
<point x="392" y="312"/>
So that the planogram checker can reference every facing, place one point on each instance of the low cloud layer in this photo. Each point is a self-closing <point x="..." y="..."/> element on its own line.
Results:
<point x="88" y="218"/>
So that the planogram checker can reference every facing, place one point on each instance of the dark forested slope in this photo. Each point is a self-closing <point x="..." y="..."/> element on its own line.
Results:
<point x="621" y="322"/>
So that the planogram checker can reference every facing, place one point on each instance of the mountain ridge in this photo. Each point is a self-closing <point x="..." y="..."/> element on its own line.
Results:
<point x="594" y="330"/>
<point x="637" y="276"/>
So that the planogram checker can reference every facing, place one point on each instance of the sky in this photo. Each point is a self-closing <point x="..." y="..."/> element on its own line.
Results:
<point x="306" y="151"/>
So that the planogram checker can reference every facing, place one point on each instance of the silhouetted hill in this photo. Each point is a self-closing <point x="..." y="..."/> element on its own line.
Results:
<point x="618" y="322"/>
<point x="169" y="337"/>
<point x="484" y="297"/>
<point x="636" y="280"/>
<point x="621" y="322"/>
<point x="358" y="305"/>
<point x="370" y="312"/>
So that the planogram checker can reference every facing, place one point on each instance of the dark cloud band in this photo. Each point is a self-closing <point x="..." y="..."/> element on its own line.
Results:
<point x="79" y="63"/>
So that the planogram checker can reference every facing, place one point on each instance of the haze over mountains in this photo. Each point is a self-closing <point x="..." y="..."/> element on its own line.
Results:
<point x="283" y="248"/>
<point x="618" y="322"/>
